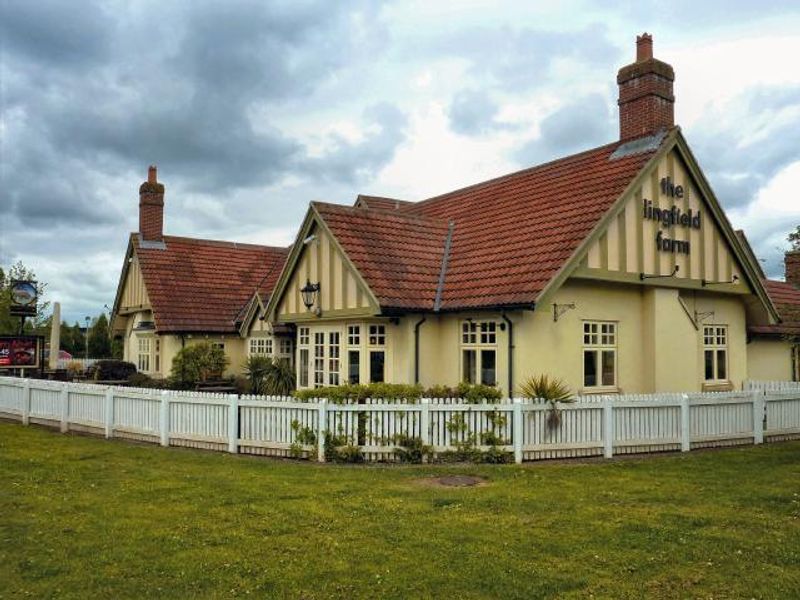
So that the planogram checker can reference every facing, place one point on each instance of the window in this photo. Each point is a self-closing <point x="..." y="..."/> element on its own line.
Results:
<point x="377" y="335"/>
<point x="143" y="362"/>
<point x="220" y="345"/>
<point x="599" y="354"/>
<point x="715" y="352"/>
<point x="478" y="354"/>
<point x="377" y="363"/>
<point x="353" y="335"/>
<point x="285" y="345"/>
<point x="319" y="359"/>
<point x="158" y="355"/>
<point x="353" y="367"/>
<point x="302" y="336"/>
<point x="333" y="358"/>
<point x="260" y="346"/>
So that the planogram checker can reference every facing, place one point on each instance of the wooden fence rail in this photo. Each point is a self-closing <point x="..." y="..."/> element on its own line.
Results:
<point x="526" y="430"/>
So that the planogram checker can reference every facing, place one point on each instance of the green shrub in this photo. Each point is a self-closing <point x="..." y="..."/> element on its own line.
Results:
<point x="198" y="363"/>
<point x="542" y="387"/>
<point x="111" y="370"/>
<point x="411" y="449"/>
<point x="354" y="394"/>
<point x="279" y="379"/>
<point x="471" y="393"/>
<point x="140" y="380"/>
<point x="338" y="450"/>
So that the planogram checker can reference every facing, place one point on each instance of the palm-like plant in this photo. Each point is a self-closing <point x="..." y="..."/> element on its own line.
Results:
<point x="551" y="390"/>
<point x="279" y="379"/>
<point x="256" y="369"/>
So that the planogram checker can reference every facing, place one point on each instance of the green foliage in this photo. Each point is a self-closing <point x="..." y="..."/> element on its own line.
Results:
<point x="140" y="380"/>
<point x="471" y="393"/>
<point x="99" y="338"/>
<point x="304" y="437"/>
<point x="112" y="370"/>
<point x="542" y="387"/>
<point x="353" y="394"/>
<point x="794" y="238"/>
<point x="339" y="450"/>
<point x="411" y="449"/>
<point x="466" y="442"/>
<point x="255" y="369"/>
<point x="198" y="363"/>
<point x="72" y="339"/>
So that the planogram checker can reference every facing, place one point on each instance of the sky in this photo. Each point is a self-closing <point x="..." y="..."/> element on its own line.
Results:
<point x="251" y="109"/>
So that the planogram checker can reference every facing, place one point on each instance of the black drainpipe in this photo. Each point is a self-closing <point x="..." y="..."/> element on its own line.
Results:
<point x="510" y="355"/>
<point x="416" y="349"/>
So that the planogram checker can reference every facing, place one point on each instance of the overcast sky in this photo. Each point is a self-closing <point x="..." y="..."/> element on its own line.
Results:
<point x="252" y="109"/>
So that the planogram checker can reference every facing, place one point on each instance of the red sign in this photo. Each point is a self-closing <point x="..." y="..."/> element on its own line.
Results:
<point x="22" y="351"/>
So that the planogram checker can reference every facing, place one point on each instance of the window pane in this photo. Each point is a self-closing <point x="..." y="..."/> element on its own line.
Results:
<point x="303" y="369"/>
<point x="376" y="366"/>
<point x="608" y="367"/>
<point x="353" y="367"/>
<point x="721" y="366"/>
<point x="589" y="368"/>
<point x="709" y="365"/>
<point x="470" y="366"/>
<point x="488" y="371"/>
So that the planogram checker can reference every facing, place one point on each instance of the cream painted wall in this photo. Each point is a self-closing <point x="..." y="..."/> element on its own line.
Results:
<point x="769" y="360"/>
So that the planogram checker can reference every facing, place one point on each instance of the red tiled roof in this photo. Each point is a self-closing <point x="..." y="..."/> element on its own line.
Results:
<point x="786" y="299"/>
<point x="399" y="256"/>
<point x="511" y="235"/>
<point x="380" y="202"/>
<point x="202" y="285"/>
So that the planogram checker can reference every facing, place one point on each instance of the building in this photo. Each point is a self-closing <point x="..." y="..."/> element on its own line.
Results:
<point x="175" y="291"/>
<point x="614" y="269"/>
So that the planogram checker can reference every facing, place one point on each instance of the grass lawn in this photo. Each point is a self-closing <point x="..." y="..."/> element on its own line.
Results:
<point x="83" y="517"/>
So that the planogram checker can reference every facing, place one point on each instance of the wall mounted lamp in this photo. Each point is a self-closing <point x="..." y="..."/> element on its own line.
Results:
<point x="309" y="293"/>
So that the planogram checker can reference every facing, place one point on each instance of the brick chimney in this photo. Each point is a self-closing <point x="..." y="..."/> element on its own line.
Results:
<point x="791" y="261"/>
<point x="646" y="102"/>
<point x="151" y="208"/>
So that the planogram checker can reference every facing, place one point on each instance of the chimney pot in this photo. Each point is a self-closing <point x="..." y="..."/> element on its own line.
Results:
<point x="152" y="175"/>
<point x="644" y="47"/>
<point x="791" y="261"/>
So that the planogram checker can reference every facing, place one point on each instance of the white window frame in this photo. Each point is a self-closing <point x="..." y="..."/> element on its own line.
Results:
<point x="477" y="336"/>
<point x="715" y="340"/>
<point x="144" y="352"/>
<point x="600" y="338"/>
<point x="260" y="346"/>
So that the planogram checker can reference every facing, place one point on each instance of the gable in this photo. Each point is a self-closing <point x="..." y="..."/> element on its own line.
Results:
<point x="666" y="220"/>
<point x="342" y="291"/>
<point x="134" y="292"/>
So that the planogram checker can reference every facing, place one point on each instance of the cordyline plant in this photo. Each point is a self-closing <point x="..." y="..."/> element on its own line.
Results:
<point x="553" y="391"/>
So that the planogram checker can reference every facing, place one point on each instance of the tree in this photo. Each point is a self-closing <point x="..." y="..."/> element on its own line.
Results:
<point x="198" y="362"/>
<point x="99" y="338"/>
<point x="40" y="324"/>
<point x="794" y="238"/>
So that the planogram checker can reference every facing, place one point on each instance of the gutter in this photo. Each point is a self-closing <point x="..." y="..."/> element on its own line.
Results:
<point x="510" y="354"/>
<point x="416" y="348"/>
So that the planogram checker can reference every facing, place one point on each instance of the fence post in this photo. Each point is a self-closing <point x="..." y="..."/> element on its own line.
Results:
<point x="233" y="424"/>
<point x="517" y="430"/>
<point x="164" y="419"/>
<point x="425" y="422"/>
<point x="64" y="409"/>
<point x="322" y="427"/>
<point x="608" y="428"/>
<point x="26" y="401"/>
<point x="759" y="412"/>
<point x="686" y="425"/>
<point x="109" y="412"/>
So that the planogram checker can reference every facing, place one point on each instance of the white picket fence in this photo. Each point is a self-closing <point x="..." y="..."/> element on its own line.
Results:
<point x="602" y="426"/>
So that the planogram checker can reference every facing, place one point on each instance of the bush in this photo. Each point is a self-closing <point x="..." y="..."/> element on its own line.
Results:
<point x="354" y="394"/>
<point x="198" y="363"/>
<point x="411" y="449"/>
<point x="255" y="369"/>
<point x="140" y="380"/>
<point x="471" y="393"/>
<point x="279" y="379"/>
<point x="111" y="370"/>
<point x="75" y="369"/>
<point x="552" y="390"/>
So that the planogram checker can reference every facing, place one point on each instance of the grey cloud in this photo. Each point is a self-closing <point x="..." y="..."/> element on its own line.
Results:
<point x="737" y="166"/>
<point x="519" y="59"/>
<point x="473" y="112"/>
<point x="350" y="162"/>
<point x="582" y="124"/>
